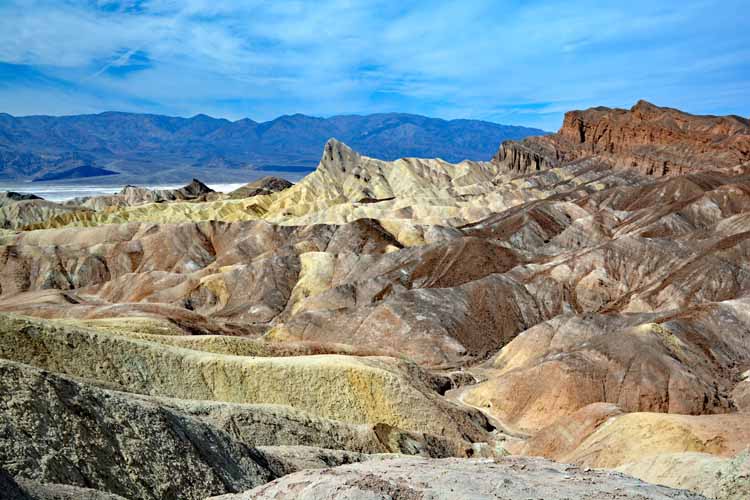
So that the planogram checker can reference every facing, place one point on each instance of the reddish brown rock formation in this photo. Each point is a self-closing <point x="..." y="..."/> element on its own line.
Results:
<point x="649" y="139"/>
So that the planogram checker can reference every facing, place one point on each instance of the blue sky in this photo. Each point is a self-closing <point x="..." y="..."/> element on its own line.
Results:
<point x="515" y="62"/>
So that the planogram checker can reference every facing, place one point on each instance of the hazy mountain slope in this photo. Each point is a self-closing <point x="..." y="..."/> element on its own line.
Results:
<point x="134" y="143"/>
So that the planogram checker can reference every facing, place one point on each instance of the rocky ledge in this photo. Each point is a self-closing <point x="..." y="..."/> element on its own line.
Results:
<point x="450" y="479"/>
<point x="652" y="140"/>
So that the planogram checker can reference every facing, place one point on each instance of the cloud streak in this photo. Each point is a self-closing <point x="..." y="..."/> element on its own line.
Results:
<point x="514" y="61"/>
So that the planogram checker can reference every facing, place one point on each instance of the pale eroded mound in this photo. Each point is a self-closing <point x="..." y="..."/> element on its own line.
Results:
<point x="703" y="453"/>
<point x="653" y="363"/>
<point x="467" y="479"/>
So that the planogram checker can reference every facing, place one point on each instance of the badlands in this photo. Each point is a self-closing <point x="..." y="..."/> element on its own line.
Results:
<point x="568" y="320"/>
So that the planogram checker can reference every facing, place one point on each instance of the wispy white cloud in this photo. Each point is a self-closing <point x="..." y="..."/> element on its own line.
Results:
<point x="512" y="61"/>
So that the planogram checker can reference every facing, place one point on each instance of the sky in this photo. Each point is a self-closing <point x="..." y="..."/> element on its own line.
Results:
<point x="511" y="62"/>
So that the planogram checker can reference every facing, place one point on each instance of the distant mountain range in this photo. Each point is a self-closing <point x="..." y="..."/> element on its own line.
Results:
<point x="145" y="147"/>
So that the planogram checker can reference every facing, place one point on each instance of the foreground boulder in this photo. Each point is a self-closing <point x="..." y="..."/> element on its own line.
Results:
<point x="449" y="479"/>
<point x="24" y="489"/>
<point x="87" y="437"/>
<point x="10" y="488"/>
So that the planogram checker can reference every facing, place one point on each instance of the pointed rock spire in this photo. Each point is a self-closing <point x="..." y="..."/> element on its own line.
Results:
<point x="338" y="156"/>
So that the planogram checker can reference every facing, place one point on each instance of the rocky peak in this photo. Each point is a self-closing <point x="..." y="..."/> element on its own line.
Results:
<point x="643" y="106"/>
<point x="524" y="157"/>
<point x="340" y="163"/>
<point x="130" y="189"/>
<point x="12" y="196"/>
<point x="650" y="139"/>
<point x="338" y="155"/>
<point x="263" y="186"/>
<point x="195" y="188"/>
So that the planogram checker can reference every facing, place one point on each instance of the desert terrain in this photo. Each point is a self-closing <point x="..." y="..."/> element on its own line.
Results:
<point x="568" y="320"/>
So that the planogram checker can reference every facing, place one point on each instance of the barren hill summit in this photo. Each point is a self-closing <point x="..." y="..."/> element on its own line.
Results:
<point x="650" y="139"/>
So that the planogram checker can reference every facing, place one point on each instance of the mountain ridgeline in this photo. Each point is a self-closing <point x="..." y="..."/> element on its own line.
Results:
<point x="164" y="148"/>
